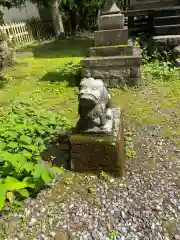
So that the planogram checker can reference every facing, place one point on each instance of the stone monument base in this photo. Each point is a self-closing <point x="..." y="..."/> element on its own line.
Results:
<point x="114" y="70"/>
<point x="98" y="152"/>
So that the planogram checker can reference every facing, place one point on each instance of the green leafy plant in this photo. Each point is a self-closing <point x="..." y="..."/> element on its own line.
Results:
<point x="24" y="132"/>
<point x="160" y="70"/>
<point x="92" y="189"/>
<point x="104" y="176"/>
<point x="129" y="148"/>
<point x="112" y="235"/>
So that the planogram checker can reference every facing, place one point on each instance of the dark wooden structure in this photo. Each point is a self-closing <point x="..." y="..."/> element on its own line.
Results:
<point x="158" y="17"/>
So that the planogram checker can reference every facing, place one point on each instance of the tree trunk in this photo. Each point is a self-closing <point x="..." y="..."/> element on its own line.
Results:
<point x="57" y="19"/>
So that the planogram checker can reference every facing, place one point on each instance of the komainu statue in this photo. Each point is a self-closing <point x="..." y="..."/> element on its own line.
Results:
<point x="94" y="105"/>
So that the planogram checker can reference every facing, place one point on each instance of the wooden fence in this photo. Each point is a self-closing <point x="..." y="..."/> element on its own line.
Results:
<point x="19" y="33"/>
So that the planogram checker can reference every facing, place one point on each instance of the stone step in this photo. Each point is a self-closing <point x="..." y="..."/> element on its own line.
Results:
<point x="123" y="61"/>
<point x="167" y="11"/>
<point x="167" y="20"/>
<point x="170" y="40"/>
<point x="167" y="30"/>
<point x="117" y="50"/>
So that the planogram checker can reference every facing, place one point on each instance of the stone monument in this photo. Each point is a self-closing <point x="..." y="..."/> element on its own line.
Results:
<point x="98" y="142"/>
<point x="114" y="59"/>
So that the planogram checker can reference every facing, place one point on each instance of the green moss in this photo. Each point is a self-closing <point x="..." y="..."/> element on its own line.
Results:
<point x="113" y="46"/>
<point x="93" y="139"/>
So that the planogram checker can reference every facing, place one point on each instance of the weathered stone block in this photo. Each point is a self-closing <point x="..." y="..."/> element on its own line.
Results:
<point x="57" y="152"/>
<point x="176" y="51"/>
<point x="168" y="40"/>
<point x="114" y="69"/>
<point x="177" y="62"/>
<point x="94" y="153"/>
<point x="127" y="61"/>
<point x="135" y="76"/>
<point x="111" y="37"/>
<point x="117" y="50"/>
<point x="115" y="82"/>
<point x="111" y="21"/>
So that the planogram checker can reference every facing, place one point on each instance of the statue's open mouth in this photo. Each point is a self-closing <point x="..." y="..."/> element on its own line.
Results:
<point x="89" y="98"/>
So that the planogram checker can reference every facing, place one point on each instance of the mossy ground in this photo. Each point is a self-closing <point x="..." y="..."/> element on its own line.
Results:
<point x="41" y="77"/>
<point x="44" y="79"/>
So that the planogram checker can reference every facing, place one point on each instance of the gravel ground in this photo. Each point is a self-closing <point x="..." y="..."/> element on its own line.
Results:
<point x="145" y="204"/>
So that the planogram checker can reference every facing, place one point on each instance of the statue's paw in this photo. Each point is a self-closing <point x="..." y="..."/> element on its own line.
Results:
<point x="104" y="126"/>
<point x="109" y="114"/>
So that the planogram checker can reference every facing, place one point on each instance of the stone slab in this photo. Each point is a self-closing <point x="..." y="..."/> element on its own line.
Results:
<point x="170" y="40"/>
<point x="111" y="21"/>
<point x="95" y="153"/>
<point x="126" y="61"/>
<point x="111" y="37"/>
<point x="117" y="50"/>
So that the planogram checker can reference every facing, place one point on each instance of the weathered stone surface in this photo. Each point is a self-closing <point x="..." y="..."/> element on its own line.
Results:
<point x="134" y="72"/>
<point x="177" y="62"/>
<point x="113" y="55"/>
<point x="170" y="40"/>
<point x="135" y="76"/>
<point x="114" y="69"/>
<point x="127" y="61"/>
<point x="94" y="107"/>
<point x="111" y="37"/>
<point x="176" y="51"/>
<point x="115" y="82"/>
<point x="111" y="21"/>
<point x="111" y="77"/>
<point x="94" y="153"/>
<point x="117" y="50"/>
<point x="57" y="152"/>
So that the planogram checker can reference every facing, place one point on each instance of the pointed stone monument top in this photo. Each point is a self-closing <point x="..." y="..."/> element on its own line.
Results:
<point x="111" y="10"/>
<point x="114" y="8"/>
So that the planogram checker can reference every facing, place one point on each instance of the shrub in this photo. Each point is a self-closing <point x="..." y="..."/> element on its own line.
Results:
<point x="151" y="52"/>
<point x="160" y="70"/>
<point x="23" y="134"/>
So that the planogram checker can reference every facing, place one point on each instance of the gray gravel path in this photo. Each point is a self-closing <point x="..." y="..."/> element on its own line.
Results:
<point x="145" y="204"/>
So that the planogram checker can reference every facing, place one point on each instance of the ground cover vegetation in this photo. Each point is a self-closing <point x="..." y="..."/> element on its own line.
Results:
<point x="39" y="99"/>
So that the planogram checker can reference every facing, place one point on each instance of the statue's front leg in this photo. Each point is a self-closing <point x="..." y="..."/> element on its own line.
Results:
<point x="102" y="120"/>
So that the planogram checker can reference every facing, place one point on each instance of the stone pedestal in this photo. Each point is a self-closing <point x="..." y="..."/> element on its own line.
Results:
<point x="114" y="59"/>
<point x="100" y="152"/>
<point x="111" y="21"/>
<point x="111" y="37"/>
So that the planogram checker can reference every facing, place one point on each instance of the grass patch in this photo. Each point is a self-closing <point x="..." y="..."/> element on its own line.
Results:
<point x="45" y="80"/>
<point x="157" y="102"/>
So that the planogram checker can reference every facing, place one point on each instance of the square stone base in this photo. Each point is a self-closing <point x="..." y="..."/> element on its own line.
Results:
<point x="99" y="152"/>
<point x="111" y="37"/>
<point x="114" y="70"/>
